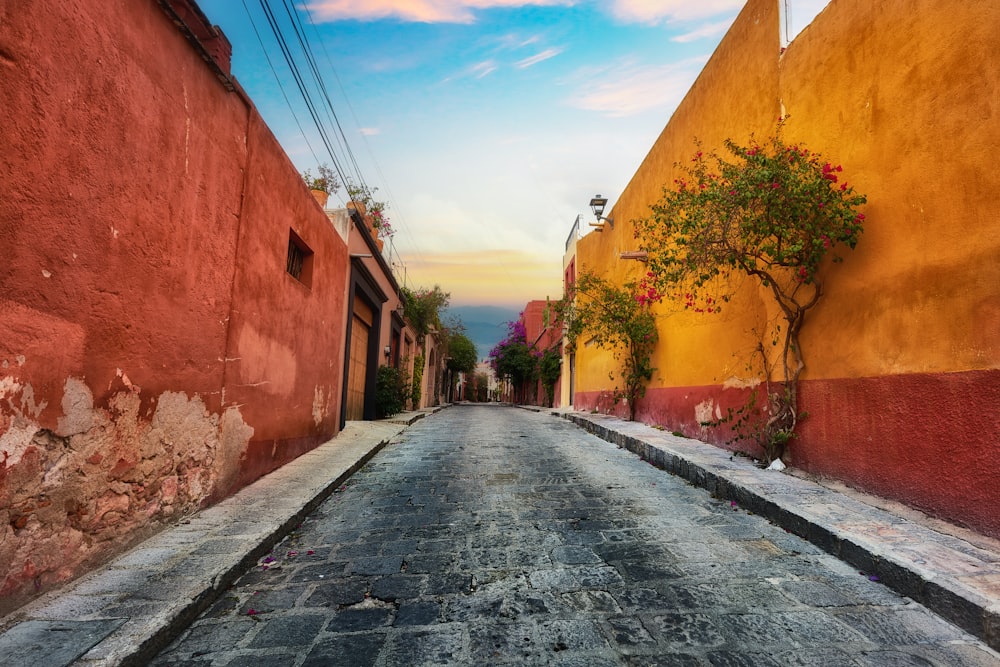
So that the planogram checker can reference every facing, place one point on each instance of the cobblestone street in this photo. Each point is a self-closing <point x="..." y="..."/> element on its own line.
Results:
<point x="489" y="535"/>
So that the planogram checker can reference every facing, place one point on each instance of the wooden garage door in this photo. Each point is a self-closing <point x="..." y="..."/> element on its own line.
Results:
<point x="358" y="373"/>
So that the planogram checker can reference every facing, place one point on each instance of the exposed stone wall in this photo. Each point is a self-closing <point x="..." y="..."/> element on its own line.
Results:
<point x="103" y="478"/>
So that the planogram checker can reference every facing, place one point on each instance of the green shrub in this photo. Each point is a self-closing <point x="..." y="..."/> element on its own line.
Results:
<point x="391" y="391"/>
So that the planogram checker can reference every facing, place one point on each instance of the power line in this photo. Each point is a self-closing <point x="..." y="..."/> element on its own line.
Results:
<point x="319" y="104"/>
<point x="300" y="83"/>
<point x="403" y="226"/>
<point x="277" y="80"/>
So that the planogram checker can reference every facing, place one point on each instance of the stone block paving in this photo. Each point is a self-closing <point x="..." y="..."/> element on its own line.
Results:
<point x="497" y="536"/>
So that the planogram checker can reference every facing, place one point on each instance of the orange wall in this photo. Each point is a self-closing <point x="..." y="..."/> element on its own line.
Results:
<point x="908" y="331"/>
<point x="147" y="324"/>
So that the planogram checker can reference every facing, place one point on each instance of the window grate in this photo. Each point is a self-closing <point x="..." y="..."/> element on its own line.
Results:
<point x="299" y="263"/>
<point x="296" y="258"/>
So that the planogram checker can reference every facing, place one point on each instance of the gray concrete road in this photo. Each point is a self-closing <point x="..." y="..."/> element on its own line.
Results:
<point x="489" y="535"/>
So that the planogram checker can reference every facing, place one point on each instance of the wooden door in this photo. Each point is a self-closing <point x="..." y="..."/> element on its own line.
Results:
<point x="357" y="375"/>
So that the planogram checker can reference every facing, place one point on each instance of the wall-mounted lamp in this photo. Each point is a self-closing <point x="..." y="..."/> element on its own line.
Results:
<point x="387" y="351"/>
<point x="597" y="205"/>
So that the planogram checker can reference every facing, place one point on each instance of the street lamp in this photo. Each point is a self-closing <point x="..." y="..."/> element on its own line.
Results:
<point x="597" y="205"/>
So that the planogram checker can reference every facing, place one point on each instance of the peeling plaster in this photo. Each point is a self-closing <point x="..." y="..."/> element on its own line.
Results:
<point x="733" y="382"/>
<point x="23" y="424"/>
<point x="84" y="491"/>
<point x="707" y="411"/>
<point x="9" y="386"/>
<point x="319" y="405"/>
<point x="14" y="442"/>
<point x="78" y="408"/>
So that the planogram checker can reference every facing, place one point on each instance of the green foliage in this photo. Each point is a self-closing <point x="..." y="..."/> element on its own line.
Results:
<point x="480" y="387"/>
<point x="462" y="356"/>
<point x="549" y="368"/>
<point x="771" y="211"/>
<point x="423" y="308"/>
<point x="418" y="380"/>
<point x="391" y="391"/>
<point x="327" y="181"/>
<point x="517" y="364"/>
<point x="513" y="359"/>
<point x="376" y="209"/>
<point x="618" y="319"/>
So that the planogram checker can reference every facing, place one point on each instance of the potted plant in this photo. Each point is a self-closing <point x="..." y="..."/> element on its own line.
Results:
<point x="373" y="211"/>
<point x="323" y="185"/>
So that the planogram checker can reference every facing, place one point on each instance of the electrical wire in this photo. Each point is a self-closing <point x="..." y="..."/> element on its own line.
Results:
<point x="277" y="80"/>
<point x="312" y="87"/>
<point x="300" y="83"/>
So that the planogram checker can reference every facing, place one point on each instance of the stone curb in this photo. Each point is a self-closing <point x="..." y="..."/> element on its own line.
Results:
<point x="125" y="612"/>
<point x="954" y="578"/>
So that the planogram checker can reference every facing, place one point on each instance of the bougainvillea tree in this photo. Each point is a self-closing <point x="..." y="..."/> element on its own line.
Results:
<point x="514" y="360"/>
<point x="769" y="211"/>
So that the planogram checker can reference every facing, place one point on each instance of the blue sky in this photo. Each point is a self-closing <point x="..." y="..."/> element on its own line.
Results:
<point x="487" y="125"/>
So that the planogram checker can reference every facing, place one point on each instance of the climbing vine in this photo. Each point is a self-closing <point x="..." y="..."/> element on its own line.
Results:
<point x="617" y="318"/>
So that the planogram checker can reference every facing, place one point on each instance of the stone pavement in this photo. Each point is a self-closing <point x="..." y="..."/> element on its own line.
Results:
<point x="123" y="614"/>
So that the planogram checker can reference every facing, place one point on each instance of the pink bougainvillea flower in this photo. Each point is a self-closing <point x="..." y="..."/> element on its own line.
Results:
<point x="310" y="552"/>
<point x="251" y="612"/>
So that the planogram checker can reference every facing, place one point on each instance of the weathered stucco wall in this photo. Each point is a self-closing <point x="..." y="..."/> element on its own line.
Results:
<point x="139" y="367"/>
<point x="903" y="352"/>
<point x="286" y="336"/>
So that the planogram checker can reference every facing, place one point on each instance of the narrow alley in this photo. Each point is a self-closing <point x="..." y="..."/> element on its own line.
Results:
<point x="492" y="535"/>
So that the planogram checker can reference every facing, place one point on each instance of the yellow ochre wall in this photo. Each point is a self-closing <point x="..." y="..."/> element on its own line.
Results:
<point x="902" y="382"/>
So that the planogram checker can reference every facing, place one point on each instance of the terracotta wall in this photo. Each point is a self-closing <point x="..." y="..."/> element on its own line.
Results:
<point x="147" y="324"/>
<point x="374" y="283"/>
<point x="540" y="331"/>
<point x="903" y="353"/>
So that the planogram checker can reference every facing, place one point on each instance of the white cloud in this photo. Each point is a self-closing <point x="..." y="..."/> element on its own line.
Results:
<point x="629" y="89"/>
<point x="479" y="70"/>
<point x="655" y="12"/>
<point x="370" y="131"/>
<point x="705" y="31"/>
<point x="419" y="11"/>
<point x="535" y="59"/>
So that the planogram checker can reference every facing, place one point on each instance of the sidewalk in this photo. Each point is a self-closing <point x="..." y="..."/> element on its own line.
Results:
<point x="124" y="613"/>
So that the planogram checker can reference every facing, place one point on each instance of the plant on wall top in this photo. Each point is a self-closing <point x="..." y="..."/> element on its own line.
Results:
<point x="769" y="211"/>
<point x="375" y="209"/>
<point x="326" y="181"/>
